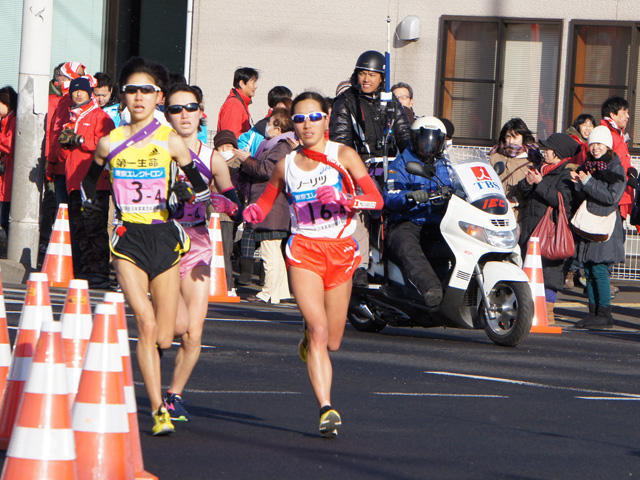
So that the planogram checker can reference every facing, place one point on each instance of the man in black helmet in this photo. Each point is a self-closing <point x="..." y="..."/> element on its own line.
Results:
<point x="359" y="120"/>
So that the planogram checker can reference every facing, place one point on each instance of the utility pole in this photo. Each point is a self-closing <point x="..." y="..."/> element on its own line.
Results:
<point x="29" y="163"/>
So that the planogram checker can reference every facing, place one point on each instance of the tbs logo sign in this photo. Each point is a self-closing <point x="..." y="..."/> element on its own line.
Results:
<point x="483" y="179"/>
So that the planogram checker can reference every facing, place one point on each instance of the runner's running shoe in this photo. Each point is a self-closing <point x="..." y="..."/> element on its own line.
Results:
<point x="329" y="422"/>
<point x="162" y="422"/>
<point x="303" y="345"/>
<point x="175" y="406"/>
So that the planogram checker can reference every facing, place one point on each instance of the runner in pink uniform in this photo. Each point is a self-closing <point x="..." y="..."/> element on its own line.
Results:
<point x="321" y="254"/>
<point x="184" y="111"/>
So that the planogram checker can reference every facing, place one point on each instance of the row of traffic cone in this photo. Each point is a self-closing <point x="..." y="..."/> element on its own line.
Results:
<point x="58" y="261"/>
<point x="98" y="437"/>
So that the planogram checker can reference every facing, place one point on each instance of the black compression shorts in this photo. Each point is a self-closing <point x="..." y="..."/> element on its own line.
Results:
<point x="153" y="248"/>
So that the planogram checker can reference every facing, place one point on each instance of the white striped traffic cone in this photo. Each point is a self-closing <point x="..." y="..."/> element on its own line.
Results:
<point x="5" y="345"/>
<point x="117" y="300"/>
<point x="42" y="444"/>
<point x="100" y="423"/>
<point x="76" y="331"/>
<point x="58" y="262"/>
<point x="218" y="287"/>
<point x="36" y="310"/>
<point x="533" y="268"/>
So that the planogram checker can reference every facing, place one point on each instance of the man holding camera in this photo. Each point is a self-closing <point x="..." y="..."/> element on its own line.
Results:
<point x="85" y="125"/>
<point x="360" y="120"/>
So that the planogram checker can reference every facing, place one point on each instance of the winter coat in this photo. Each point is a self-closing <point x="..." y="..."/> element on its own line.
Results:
<point x="514" y="171"/>
<point x="7" y="147"/>
<point x="581" y="156"/>
<point x="95" y="125"/>
<point x="353" y="107"/>
<point x="400" y="182"/>
<point x="622" y="151"/>
<point x="538" y="197"/>
<point x="234" y="113"/>
<point x="258" y="171"/>
<point x="59" y="116"/>
<point x="603" y="192"/>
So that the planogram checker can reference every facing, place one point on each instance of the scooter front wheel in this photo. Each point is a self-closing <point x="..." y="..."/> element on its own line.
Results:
<point x="512" y="306"/>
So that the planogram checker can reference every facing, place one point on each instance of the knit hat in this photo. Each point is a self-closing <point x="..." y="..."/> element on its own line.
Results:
<point x="223" y="137"/>
<point x="80" y="83"/>
<point x="562" y="144"/>
<point x="601" y="134"/>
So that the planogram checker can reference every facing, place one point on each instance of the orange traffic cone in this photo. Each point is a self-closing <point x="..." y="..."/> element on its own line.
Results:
<point x="533" y="269"/>
<point x="42" y="444"/>
<point x="218" y="287"/>
<point x="36" y="310"/>
<point x="117" y="299"/>
<point x="5" y="345"/>
<point x="100" y="424"/>
<point x="58" y="263"/>
<point x="76" y="331"/>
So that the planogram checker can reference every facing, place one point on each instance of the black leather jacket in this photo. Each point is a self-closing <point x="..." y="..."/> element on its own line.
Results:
<point x="353" y="108"/>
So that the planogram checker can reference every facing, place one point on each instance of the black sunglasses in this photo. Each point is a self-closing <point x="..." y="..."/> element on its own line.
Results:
<point x="132" y="88"/>
<point x="189" y="107"/>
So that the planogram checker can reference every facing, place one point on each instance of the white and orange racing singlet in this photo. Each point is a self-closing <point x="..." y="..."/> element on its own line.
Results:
<point x="309" y="217"/>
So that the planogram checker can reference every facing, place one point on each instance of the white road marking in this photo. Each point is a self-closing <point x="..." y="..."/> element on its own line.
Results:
<point x="233" y="392"/>
<point x="134" y="339"/>
<point x="636" y="399"/>
<point x="415" y="394"/>
<point x="531" y="384"/>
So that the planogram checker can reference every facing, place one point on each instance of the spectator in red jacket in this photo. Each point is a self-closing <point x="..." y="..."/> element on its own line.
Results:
<point x="86" y="124"/>
<point x="615" y="116"/>
<point x="234" y="113"/>
<point x="8" y="104"/>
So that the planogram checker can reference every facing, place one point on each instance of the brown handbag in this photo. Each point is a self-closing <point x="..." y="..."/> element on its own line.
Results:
<point x="556" y="239"/>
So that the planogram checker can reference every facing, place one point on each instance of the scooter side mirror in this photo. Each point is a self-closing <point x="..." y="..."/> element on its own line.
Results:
<point x="417" y="168"/>
<point x="499" y="167"/>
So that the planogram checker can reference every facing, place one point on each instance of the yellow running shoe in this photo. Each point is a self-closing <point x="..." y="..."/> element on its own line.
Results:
<point x="162" y="422"/>
<point x="303" y="345"/>
<point x="329" y="422"/>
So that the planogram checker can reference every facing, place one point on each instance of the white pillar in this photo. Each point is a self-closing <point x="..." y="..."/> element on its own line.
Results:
<point x="29" y="163"/>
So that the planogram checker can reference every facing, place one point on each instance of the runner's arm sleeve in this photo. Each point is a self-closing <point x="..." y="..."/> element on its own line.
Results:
<point x="200" y="188"/>
<point x="371" y="199"/>
<point x="90" y="182"/>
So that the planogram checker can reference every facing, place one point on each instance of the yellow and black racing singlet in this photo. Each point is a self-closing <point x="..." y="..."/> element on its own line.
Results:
<point x="141" y="177"/>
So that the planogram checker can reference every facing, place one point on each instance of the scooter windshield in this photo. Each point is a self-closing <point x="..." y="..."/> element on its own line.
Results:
<point x="474" y="179"/>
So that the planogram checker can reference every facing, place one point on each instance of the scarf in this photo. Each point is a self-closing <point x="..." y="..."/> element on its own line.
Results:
<point x="77" y="113"/>
<point x="612" y="125"/>
<point x="592" y="165"/>
<point x="268" y="144"/>
<point x="512" y="151"/>
<point x="547" y="168"/>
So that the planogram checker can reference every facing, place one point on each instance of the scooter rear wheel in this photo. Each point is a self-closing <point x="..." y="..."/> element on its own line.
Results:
<point x="361" y="318"/>
<point x="512" y="304"/>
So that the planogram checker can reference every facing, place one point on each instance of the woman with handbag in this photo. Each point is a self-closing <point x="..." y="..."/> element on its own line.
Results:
<point x="548" y="191"/>
<point x="601" y="181"/>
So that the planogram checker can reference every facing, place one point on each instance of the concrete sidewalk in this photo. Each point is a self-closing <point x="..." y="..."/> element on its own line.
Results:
<point x="572" y="306"/>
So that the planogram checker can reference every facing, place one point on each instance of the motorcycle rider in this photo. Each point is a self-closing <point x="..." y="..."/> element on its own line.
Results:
<point x="414" y="219"/>
<point x="359" y="120"/>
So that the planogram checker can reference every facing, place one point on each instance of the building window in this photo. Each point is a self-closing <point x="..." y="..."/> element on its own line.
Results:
<point x="496" y="69"/>
<point x="605" y="63"/>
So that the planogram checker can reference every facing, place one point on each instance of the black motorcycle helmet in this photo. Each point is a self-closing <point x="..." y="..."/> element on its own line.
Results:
<point x="372" y="61"/>
<point x="427" y="138"/>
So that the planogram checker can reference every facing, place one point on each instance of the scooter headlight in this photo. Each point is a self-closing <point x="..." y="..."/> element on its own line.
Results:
<point x="501" y="239"/>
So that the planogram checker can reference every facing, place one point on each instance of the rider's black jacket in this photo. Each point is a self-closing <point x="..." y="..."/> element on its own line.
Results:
<point x="353" y="109"/>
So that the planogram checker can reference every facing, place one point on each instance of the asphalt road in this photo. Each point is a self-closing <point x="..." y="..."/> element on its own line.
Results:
<point x="416" y="403"/>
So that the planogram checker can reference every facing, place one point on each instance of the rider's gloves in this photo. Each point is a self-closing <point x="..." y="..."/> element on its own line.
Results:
<point x="253" y="213"/>
<point x="418" y="196"/>
<point x="222" y="204"/>
<point x="327" y="194"/>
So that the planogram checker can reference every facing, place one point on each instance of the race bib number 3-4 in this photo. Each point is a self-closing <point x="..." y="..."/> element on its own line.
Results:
<point x="139" y="190"/>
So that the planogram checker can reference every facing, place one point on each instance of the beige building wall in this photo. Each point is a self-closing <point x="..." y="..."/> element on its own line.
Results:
<point x="314" y="44"/>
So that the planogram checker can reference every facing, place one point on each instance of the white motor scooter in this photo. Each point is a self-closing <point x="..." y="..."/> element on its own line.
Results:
<point x="479" y="263"/>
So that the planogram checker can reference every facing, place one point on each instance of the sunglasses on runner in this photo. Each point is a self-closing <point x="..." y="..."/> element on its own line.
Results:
<point x="313" y="117"/>
<point x="189" y="107"/>
<point x="131" y="88"/>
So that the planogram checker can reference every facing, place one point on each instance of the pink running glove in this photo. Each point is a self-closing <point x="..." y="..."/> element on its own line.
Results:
<point x="327" y="194"/>
<point x="222" y="204"/>
<point x="253" y="213"/>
